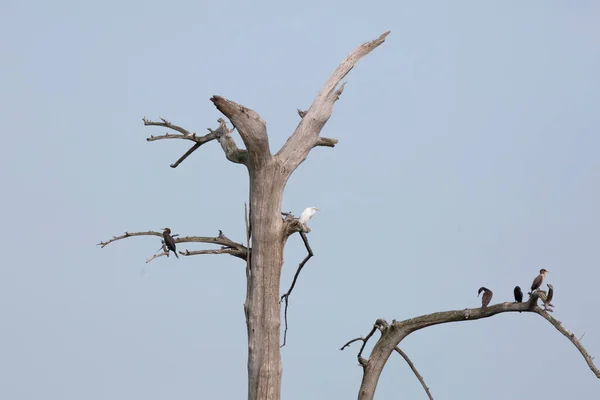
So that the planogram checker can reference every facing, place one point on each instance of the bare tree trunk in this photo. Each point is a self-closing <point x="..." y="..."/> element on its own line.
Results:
<point x="263" y="317"/>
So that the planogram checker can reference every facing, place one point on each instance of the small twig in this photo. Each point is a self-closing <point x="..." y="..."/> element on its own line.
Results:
<point x="361" y="360"/>
<point x="164" y="253"/>
<point x="286" y="296"/>
<point x="414" y="370"/>
<point x="350" y="342"/>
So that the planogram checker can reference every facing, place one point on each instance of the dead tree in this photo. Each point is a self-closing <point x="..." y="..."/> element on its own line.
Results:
<point x="392" y="334"/>
<point x="268" y="231"/>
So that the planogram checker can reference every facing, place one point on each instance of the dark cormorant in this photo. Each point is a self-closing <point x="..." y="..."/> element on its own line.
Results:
<point x="486" y="298"/>
<point x="169" y="241"/>
<point x="537" y="282"/>
<point x="550" y="295"/>
<point x="518" y="294"/>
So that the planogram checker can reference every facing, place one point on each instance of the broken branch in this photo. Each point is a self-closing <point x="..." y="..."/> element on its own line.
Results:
<point x="251" y="127"/>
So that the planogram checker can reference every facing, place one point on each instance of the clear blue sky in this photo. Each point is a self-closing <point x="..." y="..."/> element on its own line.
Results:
<point x="468" y="156"/>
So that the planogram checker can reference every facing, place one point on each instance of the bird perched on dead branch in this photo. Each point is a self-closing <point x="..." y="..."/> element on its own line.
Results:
<point x="169" y="241"/>
<point x="518" y="294"/>
<point x="307" y="214"/>
<point x="537" y="282"/>
<point x="549" y="295"/>
<point x="486" y="298"/>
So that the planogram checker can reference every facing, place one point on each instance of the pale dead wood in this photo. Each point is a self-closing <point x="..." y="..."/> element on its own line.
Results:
<point x="229" y="246"/>
<point x="234" y="252"/>
<point x="392" y="336"/>
<point x="305" y="137"/>
<point x="221" y="134"/>
<point x="326" y="142"/>
<point x="414" y="370"/>
<point x="251" y="127"/>
<point x="571" y="336"/>
<point x="164" y="253"/>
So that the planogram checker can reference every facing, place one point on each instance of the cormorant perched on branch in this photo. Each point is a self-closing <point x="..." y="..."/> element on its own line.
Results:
<point x="518" y="294"/>
<point x="550" y="295"/>
<point x="486" y="298"/>
<point x="537" y="282"/>
<point x="169" y="241"/>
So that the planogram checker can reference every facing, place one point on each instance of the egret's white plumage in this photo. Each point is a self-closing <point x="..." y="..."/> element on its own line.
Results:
<point x="307" y="214"/>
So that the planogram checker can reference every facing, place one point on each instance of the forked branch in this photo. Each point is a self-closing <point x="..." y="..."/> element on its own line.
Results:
<point x="392" y="336"/>
<point x="222" y="134"/>
<point x="306" y="135"/>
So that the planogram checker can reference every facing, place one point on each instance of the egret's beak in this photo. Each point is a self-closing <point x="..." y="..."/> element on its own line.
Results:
<point x="316" y="209"/>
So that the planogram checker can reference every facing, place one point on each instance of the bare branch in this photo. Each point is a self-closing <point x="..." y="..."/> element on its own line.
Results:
<point x="392" y="336"/>
<point x="326" y="142"/>
<point x="349" y="342"/>
<point x="164" y="253"/>
<point x="286" y="296"/>
<point x="414" y="370"/>
<point x="361" y="360"/>
<point x="169" y="125"/>
<point x="251" y="127"/>
<point x="571" y="336"/>
<point x="234" y="252"/>
<point x="306" y="135"/>
<point x="127" y="235"/>
<point x="229" y="246"/>
<point x="222" y="134"/>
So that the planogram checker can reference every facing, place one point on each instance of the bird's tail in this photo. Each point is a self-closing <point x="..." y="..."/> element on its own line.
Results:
<point x="176" y="255"/>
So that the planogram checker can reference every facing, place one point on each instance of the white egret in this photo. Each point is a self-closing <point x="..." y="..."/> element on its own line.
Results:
<point x="307" y="214"/>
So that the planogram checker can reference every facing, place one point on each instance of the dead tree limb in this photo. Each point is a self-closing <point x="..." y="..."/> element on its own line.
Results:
<point x="229" y="246"/>
<point x="221" y="134"/>
<point x="361" y="360"/>
<point x="251" y="127"/>
<point x="285" y="297"/>
<point x="392" y="335"/>
<point x="306" y="135"/>
<point x="414" y="370"/>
